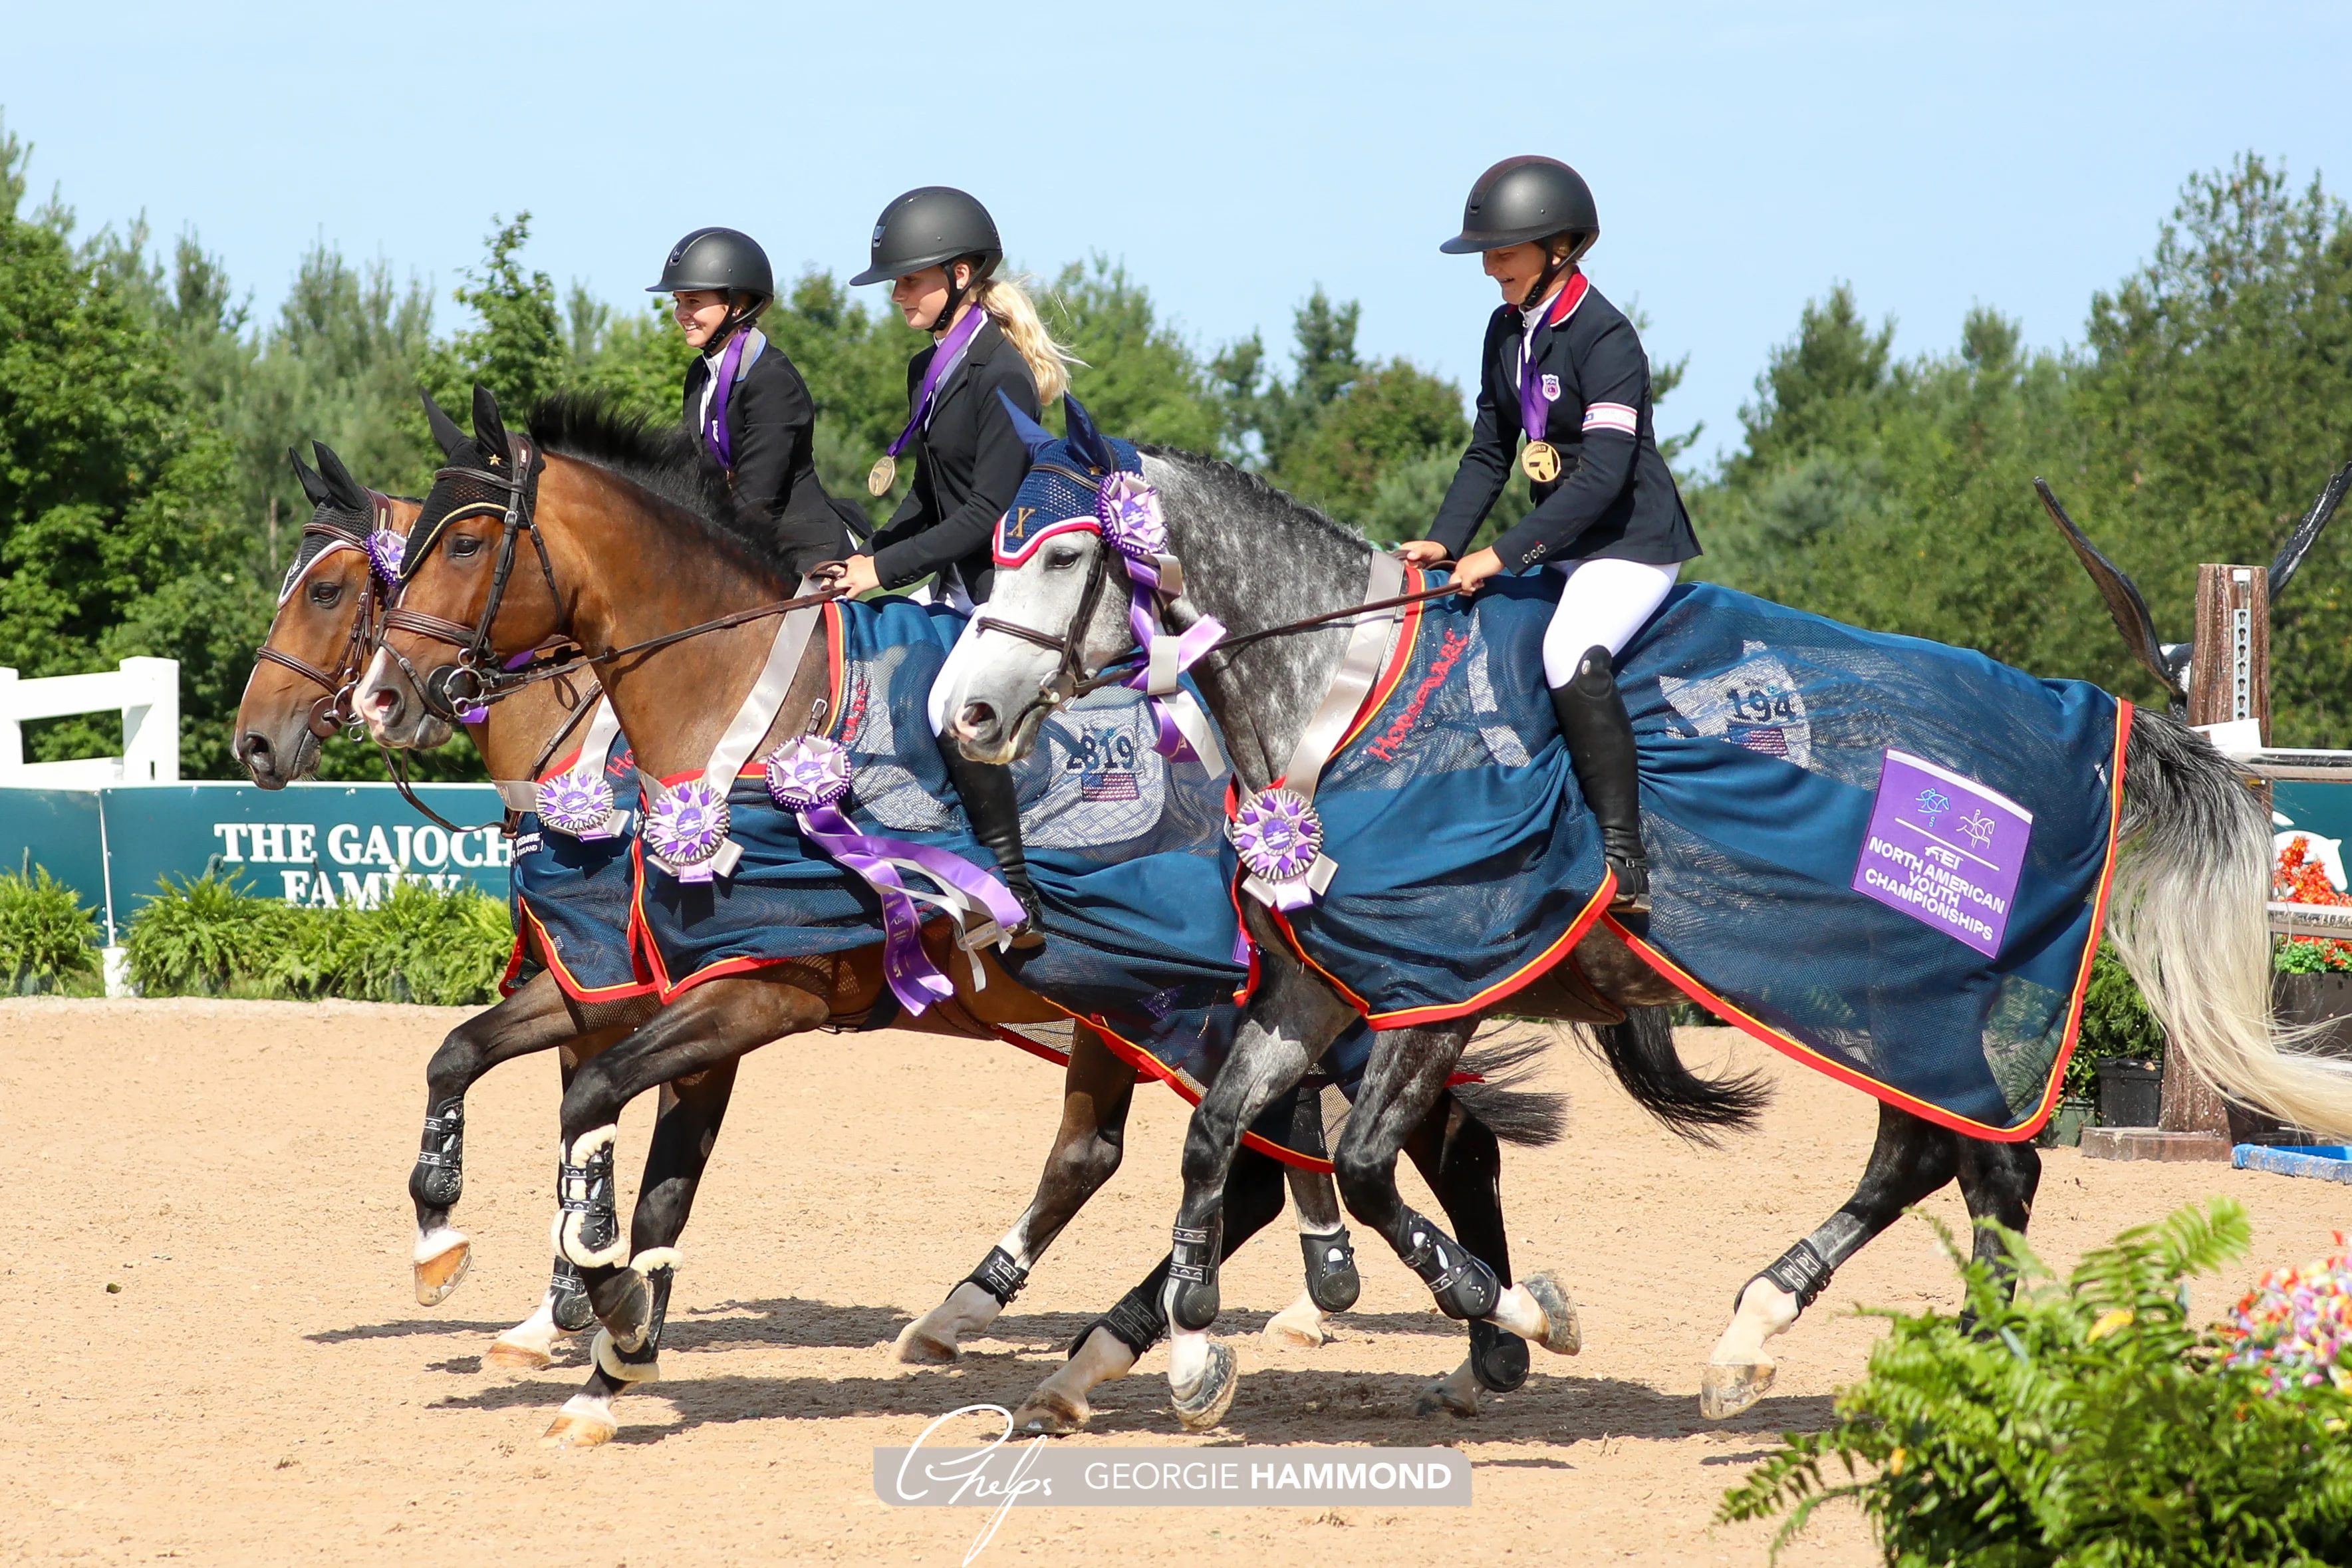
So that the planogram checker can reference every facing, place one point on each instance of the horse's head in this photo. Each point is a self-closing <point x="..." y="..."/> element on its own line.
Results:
<point x="1069" y="551"/>
<point x="475" y="587"/>
<point x="328" y="611"/>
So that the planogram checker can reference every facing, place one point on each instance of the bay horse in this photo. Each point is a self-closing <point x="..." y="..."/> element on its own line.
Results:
<point x="330" y="611"/>
<point x="602" y="498"/>
<point x="2186" y="906"/>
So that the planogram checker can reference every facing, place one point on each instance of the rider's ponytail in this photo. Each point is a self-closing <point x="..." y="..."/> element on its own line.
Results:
<point x="1016" y="314"/>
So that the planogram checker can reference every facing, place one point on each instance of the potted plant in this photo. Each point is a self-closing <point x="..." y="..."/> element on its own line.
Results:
<point x="2118" y="1058"/>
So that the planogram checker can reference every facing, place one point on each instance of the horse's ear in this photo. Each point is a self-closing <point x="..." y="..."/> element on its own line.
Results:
<point x="313" y="485"/>
<point x="348" y="493"/>
<point x="446" y="433"/>
<point x="489" y="430"/>
<point x="1087" y="441"/>
<point x="1034" y="435"/>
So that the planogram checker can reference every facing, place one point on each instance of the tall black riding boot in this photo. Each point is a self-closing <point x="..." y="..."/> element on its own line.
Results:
<point x="1599" y="736"/>
<point x="994" y="812"/>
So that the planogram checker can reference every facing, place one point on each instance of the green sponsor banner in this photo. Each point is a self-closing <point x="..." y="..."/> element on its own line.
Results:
<point x="326" y="845"/>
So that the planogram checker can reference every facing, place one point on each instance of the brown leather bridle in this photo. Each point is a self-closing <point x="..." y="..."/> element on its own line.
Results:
<point x="333" y="711"/>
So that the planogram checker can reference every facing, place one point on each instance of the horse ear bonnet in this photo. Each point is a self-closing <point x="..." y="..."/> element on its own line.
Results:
<point x="313" y="485"/>
<point x="1087" y="443"/>
<point x="348" y="493"/>
<point x="1034" y="435"/>
<point x="446" y="433"/>
<point x="489" y="430"/>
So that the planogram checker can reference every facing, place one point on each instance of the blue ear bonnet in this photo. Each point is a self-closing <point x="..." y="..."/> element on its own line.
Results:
<point x="1065" y="482"/>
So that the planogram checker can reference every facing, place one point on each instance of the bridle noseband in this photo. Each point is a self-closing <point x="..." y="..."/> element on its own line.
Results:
<point x="1069" y="678"/>
<point x="451" y="690"/>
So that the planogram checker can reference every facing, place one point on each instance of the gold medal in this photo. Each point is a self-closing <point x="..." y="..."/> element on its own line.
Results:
<point x="884" y="475"/>
<point x="1539" y="462"/>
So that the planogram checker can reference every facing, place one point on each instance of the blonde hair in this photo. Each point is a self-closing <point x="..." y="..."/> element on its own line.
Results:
<point x="1006" y="299"/>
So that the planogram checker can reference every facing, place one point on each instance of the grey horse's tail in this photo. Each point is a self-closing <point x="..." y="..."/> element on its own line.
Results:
<point x="2186" y="913"/>
<point x="1517" y="1115"/>
<point x="1641" y="1052"/>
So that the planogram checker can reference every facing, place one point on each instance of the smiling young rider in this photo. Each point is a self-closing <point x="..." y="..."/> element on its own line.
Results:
<point x="938" y="249"/>
<point x="745" y="401"/>
<point x="1563" y="368"/>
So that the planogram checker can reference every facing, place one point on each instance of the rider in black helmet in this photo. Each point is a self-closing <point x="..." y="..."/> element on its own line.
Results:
<point x="744" y="399"/>
<point x="1563" y="368"/>
<point x="938" y="249"/>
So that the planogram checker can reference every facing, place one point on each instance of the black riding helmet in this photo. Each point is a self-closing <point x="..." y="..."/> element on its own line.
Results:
<point x="1522" y="200"/>
<point x="723" y="259"/>
<point x="931" y="227"/>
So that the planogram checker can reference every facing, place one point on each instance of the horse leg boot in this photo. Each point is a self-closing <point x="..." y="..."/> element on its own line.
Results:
<point x="1332" y="1282"/>
<point x="1098" y="1089"/>
<point x="534" y="1019"/>
<point x="564" y="1310"/>
<point x="1461" y="1159"/>
<point x="1293" y="1021"/>
<point x="993" y="809"/>
<point x="1110" y="1347"/>
<point x="634" y="1304"/>
<point x="1910" y="1160"/>
<point x="1599" y="735"/>
<point x="1403" y="1087"/>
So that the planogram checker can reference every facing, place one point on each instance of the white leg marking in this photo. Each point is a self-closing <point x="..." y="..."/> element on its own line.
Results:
<point x="432" y="1244"/>
<point x="1765" y="1310"/>
<point x="938" y="1334"/>
<point x="1300" y="1326"/>
<point x="1518" y="1311"/>
<point x="530" y="1343"/>
<point x="1059" y="1404"/>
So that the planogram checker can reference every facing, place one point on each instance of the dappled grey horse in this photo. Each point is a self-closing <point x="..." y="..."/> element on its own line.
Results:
<point x="2185" y="912"/>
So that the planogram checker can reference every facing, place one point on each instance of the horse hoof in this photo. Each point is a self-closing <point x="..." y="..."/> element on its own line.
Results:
<point x="1298" y="1326"/>
<point x="1563" y="1335"/>
<point x="573" y="1429"/>
<point x="1214" y="1396"/>
<point x="443" y="1272"/>
<point x="504" y="1355"/>
<point x="1726" y="1390"/>
<point x="1050" y="1413"/>
<point x="1443" y="1398"/>
<point x="918" y="1346"/>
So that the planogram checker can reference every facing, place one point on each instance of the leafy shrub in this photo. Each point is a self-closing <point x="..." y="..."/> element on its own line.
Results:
<point x="2116" y="1023"/>
<point x="47" y="937"/>
<point x="203" y="936"/>
<point x="2084" y="1423"/>
<point x="422" y="946"/>
<point x="209" y="936"/>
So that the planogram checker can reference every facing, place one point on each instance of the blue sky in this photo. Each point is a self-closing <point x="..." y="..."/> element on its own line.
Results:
<point x="1232" y="156"/>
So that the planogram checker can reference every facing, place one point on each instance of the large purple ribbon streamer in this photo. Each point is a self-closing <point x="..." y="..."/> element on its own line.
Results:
<point x="913" y="978"/>
<point x="714" y="428"/>
<point x="949" y="346"/>
<point x="1143" y="621"/>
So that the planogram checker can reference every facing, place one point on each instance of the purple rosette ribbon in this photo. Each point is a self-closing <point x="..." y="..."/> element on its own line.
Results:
<point x="688" y="828"/>
<point x="385" y="551"/>
<point x="576" y="801"/>
<point x="1128" y="511"/>
<point x="1280" y="840"/>
<point x="809" y="777"/>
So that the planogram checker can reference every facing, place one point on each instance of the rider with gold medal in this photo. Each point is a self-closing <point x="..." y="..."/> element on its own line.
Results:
<point x="1564" y="368"/>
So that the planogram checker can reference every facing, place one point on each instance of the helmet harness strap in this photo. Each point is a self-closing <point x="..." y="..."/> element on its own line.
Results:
<point x="981" y="267"/>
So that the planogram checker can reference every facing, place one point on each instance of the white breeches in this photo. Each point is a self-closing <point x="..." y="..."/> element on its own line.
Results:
<point x="1602" y="605"/>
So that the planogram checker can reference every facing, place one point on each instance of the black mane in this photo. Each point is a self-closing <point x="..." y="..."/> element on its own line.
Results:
<point x="1240" y="485"/>
<point x="662" y="458"/>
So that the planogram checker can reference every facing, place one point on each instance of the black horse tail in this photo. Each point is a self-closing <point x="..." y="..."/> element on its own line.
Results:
<point x="1531" y="1117"/>
<point x="1641" y="1052"/>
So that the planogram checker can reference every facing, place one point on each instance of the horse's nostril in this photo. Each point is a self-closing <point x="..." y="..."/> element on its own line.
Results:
<point x="976" y="721"/>
<point x="253" y="747"/>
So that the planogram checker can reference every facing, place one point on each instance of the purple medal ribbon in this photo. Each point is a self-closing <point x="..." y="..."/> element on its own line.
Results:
<point x="808" y="777"/>
<point x="714" y="428"/>
<point x="944" y="356"/>
<point x="1129" y="512"/>
<point x="1535" y="407"/>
